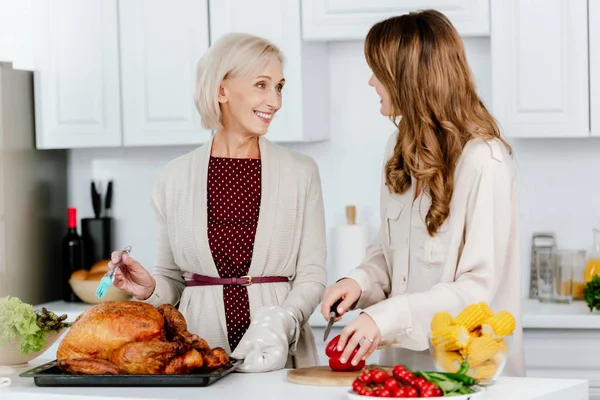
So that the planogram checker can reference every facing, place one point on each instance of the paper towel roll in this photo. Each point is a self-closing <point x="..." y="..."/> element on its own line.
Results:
<point x="349" y="245"/>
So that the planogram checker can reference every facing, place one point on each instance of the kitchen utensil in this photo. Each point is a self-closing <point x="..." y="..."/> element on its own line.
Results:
<point x="540" y="240"/>
<point x="108" y="200"/>
<point x="109" y="277"/>
<point x="86" y="291"/>
<point x="332" y="315"/>
<point x="96" y="200"/>
<point x="50" y="375"/>
<point x="544" y="263"/>
<point x="324" y="376"/>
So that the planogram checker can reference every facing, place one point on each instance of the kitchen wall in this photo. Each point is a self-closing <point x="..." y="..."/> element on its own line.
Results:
<point x="558" y="183"/>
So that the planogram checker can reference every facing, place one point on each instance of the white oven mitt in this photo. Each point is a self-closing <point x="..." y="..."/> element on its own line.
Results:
<point x="264" y="346"/>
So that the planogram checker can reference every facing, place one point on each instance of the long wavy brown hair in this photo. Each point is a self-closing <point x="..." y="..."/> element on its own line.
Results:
<point x="420" y="60"/>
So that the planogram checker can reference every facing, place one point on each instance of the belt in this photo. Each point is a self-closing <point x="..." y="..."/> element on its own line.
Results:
<point x="192" y="279"/>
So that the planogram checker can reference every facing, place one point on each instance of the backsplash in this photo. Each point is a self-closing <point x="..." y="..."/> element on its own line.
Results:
<point x="558" y="190"/>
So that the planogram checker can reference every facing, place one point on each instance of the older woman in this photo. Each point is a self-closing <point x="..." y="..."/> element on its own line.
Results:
<point x="241" y="235"/>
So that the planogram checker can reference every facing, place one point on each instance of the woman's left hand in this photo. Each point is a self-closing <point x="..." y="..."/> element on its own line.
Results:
<point x="362" y="328"/>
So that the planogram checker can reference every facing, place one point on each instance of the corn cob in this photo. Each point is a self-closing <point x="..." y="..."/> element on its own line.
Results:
<point x="475" y="333"/>
<point x="480" y="350"/>
<point x="483" y="372"/>
<point x="501" y="324"/>
<point x="486" y="310"/>
<point x="441" y="320"/>
<point x="451" y="338"/>
<point x="450" y="361"/>
<point x="471" y="317"/>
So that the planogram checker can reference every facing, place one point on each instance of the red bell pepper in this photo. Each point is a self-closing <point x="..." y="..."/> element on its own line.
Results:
<point x="334" y="357"/>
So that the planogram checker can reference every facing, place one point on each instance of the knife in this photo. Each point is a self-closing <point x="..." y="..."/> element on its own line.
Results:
<point x="95" y="201"/>
<point x="332" y="314"/>
<point x="108" y="200"/>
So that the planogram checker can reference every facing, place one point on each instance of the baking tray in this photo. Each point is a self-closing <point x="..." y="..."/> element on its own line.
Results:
<point x="50" y="375"/>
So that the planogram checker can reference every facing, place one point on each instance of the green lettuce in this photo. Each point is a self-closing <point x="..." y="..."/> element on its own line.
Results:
<point x="18" y="321"/>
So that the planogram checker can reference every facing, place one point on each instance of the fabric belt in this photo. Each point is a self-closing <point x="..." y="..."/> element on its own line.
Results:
<point x="192" y="279"/>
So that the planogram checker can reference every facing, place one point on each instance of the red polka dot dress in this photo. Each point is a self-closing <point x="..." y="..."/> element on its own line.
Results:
<point x="233" y="207"/>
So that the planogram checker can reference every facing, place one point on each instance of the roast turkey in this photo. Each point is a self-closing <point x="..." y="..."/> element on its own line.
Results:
<point x="132" y="337"/>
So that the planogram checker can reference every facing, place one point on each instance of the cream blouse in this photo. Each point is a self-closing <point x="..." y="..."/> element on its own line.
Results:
<point x="407" y="276"/>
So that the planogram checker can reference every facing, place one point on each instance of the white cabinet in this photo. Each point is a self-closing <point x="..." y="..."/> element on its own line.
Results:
<point x="564" y="354"/>
<point x="352" y="19"/>
<point x="161" y="42"/>
<point x="594" y="46"/>
<point x="304" y="115"/>
<point x="76" y="58"/>
<point x="540" y="67"/>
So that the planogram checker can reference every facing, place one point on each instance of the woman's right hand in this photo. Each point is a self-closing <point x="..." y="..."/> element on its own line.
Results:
<point x="132" y="277"/>
<point x="346" y="289"/>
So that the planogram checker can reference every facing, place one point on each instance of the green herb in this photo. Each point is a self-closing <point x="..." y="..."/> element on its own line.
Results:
<point x="591" y="293"/>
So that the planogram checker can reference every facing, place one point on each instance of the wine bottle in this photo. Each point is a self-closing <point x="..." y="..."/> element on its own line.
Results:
<point x="72" y="254"/>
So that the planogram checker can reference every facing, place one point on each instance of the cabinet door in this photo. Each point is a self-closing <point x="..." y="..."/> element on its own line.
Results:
<point x="278" y="21"/>
<point x="594" y="46"/>
<point x="77" y="100"/>
<point x="540" y="67"/>
<point x="161" y="43"/>
<point x="352" y="19"/>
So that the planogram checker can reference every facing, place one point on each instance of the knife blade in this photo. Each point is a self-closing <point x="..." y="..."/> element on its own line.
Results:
<point x="95" y="200"/>
<point x="108" y="200"/>
<point x="332" y="314"/>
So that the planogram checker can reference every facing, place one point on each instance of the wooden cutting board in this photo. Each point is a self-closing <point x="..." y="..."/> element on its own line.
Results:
<point x="323" y="376"/>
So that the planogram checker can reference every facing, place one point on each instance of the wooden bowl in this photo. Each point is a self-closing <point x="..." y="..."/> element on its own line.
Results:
<point x="86" y="291"/>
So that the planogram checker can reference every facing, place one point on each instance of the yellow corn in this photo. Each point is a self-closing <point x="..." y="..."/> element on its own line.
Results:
<point x="480" y="350"/>
<point x="484" y="372"/>
<point x="475" y="333"/>
<point x="441" y="320"/>
<point x="486" y="310"/>
<point x="501" y="324"/>
<point x="451" y="338"/>
<point x="472" y="316"/>
<point x="450" y="361"/>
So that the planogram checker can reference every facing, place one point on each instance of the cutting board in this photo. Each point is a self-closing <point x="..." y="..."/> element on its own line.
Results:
<point x="323" y="376"/>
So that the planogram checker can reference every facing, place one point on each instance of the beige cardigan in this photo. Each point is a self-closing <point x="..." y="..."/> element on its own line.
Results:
<point x="407" y="276"/>
<point x="289" y="241"/>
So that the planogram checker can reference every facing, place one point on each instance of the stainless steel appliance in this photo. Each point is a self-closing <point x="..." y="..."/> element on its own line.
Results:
<point x="33" y="197"/>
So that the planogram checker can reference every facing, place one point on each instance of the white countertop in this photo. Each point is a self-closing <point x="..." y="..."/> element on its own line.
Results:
<point x="275" y="385"/>
<point x="536" y="315"/>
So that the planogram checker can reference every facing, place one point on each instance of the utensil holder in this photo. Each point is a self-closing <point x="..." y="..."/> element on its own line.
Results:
<point x="97" y="240"/>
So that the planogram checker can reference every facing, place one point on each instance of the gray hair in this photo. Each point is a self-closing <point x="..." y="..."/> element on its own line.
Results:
<point x="233" y="55"/>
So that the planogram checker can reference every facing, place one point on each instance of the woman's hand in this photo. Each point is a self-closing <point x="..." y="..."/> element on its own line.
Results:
<point x="131" y="277"/>
<point x="346" y="289"/>
<point x="362" y="328"/>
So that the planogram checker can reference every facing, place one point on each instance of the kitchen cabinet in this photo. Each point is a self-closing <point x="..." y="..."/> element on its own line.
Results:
<point x="594" y="35"/>
<point x="110" y="61"/>
<point x="76" y="58"/>
<point x="352" y="19"/>
<point x="161" y="42"/>
<point x="540" y="68"/>
<point x="304" y="116"/>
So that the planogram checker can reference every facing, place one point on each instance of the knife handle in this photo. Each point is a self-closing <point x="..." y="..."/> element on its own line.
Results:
<point x="334" y="307"/>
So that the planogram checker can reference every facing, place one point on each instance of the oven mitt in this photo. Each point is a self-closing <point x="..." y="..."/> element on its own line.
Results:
<point x="264" y="346"/>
